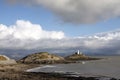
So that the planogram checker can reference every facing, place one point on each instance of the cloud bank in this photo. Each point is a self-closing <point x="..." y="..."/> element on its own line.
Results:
<point x="27" y="36"/>
<point x="79" y="11"/>
<point x="23" y="33"/>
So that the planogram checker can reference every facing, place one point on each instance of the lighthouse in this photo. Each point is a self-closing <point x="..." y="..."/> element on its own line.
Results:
<point x="78" y="52"/>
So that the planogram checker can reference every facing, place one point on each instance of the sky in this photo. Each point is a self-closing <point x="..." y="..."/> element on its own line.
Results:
<point x="60" y="26"/>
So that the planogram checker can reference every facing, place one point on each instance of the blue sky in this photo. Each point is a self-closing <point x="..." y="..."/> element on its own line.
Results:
<point x="49" y="21"/>
<point x="60" y="26"/>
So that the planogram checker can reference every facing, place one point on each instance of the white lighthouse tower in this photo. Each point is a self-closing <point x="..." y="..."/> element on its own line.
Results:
<point x="78" y="52"/>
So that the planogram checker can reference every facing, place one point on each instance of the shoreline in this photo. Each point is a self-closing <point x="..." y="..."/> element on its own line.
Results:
<point x="47" y="76"/>
<point x="17" y="72"/>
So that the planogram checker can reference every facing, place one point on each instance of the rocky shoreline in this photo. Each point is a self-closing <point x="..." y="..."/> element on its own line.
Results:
<point x="46" y="76"/>
<point x="18" y="72"/>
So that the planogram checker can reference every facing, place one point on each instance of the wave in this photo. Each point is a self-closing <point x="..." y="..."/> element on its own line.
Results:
<point x="38" y="68"/>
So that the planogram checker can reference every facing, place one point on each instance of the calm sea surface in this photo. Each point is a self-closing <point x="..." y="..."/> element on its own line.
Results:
<point x="110" y="66"/>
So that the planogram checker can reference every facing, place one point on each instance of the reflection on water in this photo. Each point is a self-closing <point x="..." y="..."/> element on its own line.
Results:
<point x="106" y="67"/>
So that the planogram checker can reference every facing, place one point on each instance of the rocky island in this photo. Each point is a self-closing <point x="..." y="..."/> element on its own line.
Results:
<point x="79" y="56"/>
<point x="41" y="58"/>
<point x="49" y="58"/>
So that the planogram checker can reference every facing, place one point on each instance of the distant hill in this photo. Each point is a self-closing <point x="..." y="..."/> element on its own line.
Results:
<point x="41" y="57"/>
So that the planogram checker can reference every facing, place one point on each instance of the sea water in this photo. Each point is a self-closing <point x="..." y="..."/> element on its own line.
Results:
<point x="109" y="66"/>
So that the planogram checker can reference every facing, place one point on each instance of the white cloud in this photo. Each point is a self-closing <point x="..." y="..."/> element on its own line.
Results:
<point x="26" y="30"/>
<point x="107" y="35"/>
<point x="27" y="36"/>
<point x="80" y="11"/>
<point x="108" y="40"/>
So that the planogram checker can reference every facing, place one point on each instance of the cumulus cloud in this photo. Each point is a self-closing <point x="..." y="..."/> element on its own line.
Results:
<point x="23" y="33"/>
<point x="79" y="11"/>
<point x="25" y="36"/>
<point x="102" y="39"/>
<point x="104" y="43"/>
<point x="26" y="30"/>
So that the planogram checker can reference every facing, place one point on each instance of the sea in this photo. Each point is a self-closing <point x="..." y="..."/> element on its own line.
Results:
<point x="108" y="66"/>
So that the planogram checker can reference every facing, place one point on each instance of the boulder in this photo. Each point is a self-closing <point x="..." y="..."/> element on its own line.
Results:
<point x="6" y="60"/>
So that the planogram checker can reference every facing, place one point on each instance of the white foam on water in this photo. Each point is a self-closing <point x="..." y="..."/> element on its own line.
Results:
<point x="38" y="68"/>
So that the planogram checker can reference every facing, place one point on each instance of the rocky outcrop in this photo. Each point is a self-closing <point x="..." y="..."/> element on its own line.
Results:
<point x="41" y="57"/>
<point x="80" y="57"/>
<point x="4" y="60"/>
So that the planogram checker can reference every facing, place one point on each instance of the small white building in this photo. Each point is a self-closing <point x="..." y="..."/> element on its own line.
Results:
<point x="78" y="52"/>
